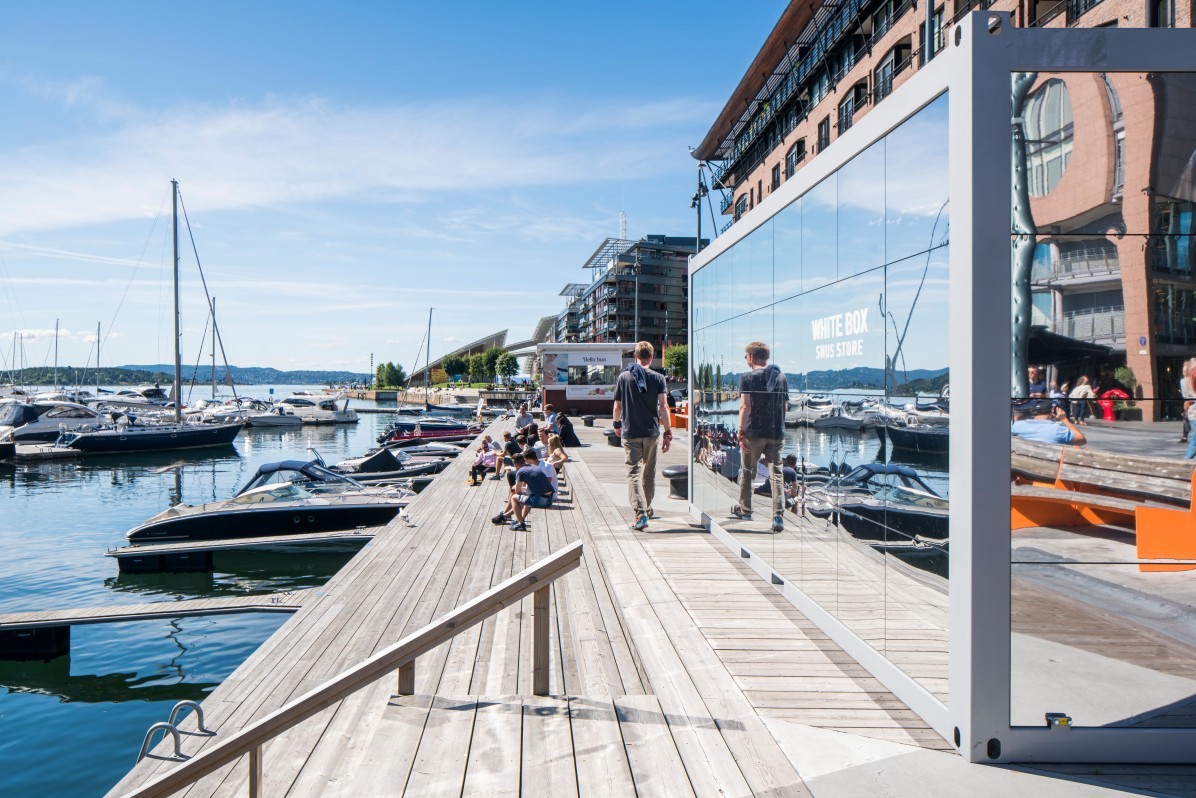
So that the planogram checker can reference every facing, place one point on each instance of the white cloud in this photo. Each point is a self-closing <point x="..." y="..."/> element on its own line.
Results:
<point x="282" y="152"/>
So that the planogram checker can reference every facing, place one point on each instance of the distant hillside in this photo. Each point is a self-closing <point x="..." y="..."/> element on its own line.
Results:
<point x="259" y="375"/>
<point x="860" y="378"/>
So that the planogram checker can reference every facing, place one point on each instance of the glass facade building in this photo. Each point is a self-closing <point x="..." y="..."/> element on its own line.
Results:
<point x="1030" y="600"/>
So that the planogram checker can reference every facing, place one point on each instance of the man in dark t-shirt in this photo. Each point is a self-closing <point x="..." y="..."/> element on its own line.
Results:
<point x="640" y="412"/>
<point x="763" y="396"/>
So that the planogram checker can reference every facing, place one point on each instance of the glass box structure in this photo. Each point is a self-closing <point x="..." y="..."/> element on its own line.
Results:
<point x="1014" y="223"/>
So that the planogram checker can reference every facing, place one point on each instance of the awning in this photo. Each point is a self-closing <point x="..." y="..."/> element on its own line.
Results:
<point x="1051" y="349"/>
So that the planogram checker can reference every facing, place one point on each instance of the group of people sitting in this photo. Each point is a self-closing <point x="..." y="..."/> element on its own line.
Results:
<point x="529" y="458"/>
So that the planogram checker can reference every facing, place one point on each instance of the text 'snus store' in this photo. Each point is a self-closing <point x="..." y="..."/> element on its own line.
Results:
<point x="1031" y="601"/>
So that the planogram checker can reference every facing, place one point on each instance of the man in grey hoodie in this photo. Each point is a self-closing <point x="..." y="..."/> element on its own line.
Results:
<point x="763" y="399"/>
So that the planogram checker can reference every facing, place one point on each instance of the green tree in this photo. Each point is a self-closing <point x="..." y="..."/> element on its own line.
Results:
<point x="477" y="369"/>
<point x="676" y="361"/>
<point x="506" y="366"/>
<point x="492" y="355"/>
<point x="454" y="365"/>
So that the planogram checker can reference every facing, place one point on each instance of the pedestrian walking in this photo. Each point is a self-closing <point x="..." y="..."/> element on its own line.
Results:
<point x="640" y="413"/>
<point x="763" y="396"/>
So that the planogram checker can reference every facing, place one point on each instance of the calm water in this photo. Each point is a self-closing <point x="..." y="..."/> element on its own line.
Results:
<point x="72" y="727"/>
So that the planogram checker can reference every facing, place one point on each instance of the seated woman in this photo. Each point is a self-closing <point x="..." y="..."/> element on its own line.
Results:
<point x="556" y="452"/>
<point x="568" y="435"/>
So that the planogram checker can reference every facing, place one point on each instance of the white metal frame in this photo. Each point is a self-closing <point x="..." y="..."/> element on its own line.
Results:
<point x="975" y="68"/>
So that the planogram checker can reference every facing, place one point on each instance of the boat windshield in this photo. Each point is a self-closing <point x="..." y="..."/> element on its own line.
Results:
<point x="12" y="414"/>
<point x="272" y="493"/>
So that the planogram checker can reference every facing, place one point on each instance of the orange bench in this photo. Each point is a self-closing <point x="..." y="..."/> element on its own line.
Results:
<point x="1069" y="486"/>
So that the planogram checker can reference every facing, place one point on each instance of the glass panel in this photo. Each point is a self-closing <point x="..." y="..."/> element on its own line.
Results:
<point x="721" y="416"/>
<point x="861" y="217"/>
<point x="787" y="253"/>
<point x="758" y="270"/>
<point x="764" y="406"/>
<point x="1104" y="320"/>
<point x="916" y="183"/>
<point x="843" y="343"/>
<point x="819" y="245"/>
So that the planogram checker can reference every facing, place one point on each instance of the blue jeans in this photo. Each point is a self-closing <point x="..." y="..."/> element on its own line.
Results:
<point x="1191" y="455"/>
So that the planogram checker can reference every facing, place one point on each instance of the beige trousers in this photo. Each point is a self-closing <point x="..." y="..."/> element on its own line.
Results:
<point x="641" y="472"/>
<point x="771" y="449"/>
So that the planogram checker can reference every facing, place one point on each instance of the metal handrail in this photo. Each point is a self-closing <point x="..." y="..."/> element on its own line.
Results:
<point x="162" y="726"/>
<point x="401" y="655"/>
<point x="188" y="704"/>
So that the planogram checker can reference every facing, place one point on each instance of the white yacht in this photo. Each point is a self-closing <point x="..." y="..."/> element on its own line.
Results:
<point x="320" y="410"/>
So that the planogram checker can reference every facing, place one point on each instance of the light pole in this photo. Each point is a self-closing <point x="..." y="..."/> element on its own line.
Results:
<point x="636" y="309"/>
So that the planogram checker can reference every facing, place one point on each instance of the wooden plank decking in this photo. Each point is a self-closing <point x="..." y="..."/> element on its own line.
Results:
<point x="290" y="601"/>
<point x="653" y="689"/>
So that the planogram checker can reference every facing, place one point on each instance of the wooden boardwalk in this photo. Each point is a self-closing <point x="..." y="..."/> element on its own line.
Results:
<point x="653" y="690"/>
<point x="290" y="601"/>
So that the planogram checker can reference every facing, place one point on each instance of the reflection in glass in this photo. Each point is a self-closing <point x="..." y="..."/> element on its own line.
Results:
<point x="861" y="216"/>
<point x="861" y="344"/>
<point x="1101" y="482"/>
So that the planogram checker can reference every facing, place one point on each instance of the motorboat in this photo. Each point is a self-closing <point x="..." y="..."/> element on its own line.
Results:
<point x="853" y="416"/>
<point x="42" y="421"/>
<point x="283" y="498"/>
<point x="426" y="427"/>
<point x="385" y="464"/>
<point x="150" y="397"/>
<point x="882" y="502"/>
<point x="278" y="416"/>
<point x="805" y="409"/>
<point x="8" y="447"/>
<point x="320" y="410"/>
<point x="125" y="435"/>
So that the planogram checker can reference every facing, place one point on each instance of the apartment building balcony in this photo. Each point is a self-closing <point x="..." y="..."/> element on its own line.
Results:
<point x="1099" y="325"/>
<point x="1085" y="265"/>
<point x="1175" y="329"/>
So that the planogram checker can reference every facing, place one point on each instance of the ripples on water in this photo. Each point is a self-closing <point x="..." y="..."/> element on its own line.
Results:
<point x="73" y="726"/>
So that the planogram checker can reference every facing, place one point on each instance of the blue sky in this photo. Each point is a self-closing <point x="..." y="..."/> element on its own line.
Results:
<point x="345" y="166"/>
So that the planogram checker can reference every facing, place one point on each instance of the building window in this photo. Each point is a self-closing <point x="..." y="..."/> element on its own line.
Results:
<point x="1049" y="131"/>
<point x="824" y="133"/>
<point x="740" y="206"/>
<point x="894" y="61"/>
<point x="1161" y="14"/>
<point x="776" y="177"/>
<point x="846" y="112"/>
<point x="796" y="154"/>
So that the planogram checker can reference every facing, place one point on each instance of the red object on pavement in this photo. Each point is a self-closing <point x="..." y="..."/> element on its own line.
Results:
<point x="1106" y="403"/>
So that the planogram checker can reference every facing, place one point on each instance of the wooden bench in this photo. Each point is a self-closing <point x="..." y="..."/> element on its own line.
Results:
<point x="1072" y="486"/>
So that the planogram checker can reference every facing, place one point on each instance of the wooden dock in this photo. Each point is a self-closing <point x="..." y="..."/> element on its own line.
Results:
<point x="196" y="555"/>
<point x="46" y="634"/>
<point x="653" y="688"/>
<point x="290" y="601"/>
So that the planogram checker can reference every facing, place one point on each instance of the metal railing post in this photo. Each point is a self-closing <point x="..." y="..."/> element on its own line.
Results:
<point x="540" y="641"/>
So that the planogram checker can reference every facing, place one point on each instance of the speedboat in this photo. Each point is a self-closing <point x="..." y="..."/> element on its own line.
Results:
<point x="283" y="498"/>
<point x="426" y="427"/>
<point x="276" y="417"/>
<point x="41" y="421"/>
<point x="806" y="409"/>
<point x="385" y="464"/>
<point x="881" y="502"/>
<point x="320" y="410"/>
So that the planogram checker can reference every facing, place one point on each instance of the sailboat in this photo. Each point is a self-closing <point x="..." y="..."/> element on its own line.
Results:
<point x="126" y="434"/>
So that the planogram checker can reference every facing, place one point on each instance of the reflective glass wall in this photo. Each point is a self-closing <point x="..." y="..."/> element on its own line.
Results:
<point x="846" y="287"/>
<point x="1103" y="298"/>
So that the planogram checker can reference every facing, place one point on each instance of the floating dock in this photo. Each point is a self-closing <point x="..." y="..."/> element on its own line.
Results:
<point x="196" y="555"/>
<point x="47" y="634"/>
<point x="27" y="452"/>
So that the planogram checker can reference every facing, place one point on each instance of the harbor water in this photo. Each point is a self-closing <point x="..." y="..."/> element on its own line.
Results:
<point x="73" y="726"/>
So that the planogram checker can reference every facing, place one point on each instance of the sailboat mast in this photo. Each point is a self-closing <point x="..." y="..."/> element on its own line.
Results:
<point x="97" y="360"/>
<point x="178" y="356"/>
<point x="428" y="362"/>
<point x="213" y="347"/>
<point x="56" y="354"/>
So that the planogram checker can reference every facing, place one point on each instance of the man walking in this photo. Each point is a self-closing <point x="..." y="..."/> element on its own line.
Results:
<point x="763" y="396"/>
<point x="640" y="413"/>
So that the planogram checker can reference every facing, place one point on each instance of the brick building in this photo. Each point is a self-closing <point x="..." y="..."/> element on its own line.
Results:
<point x="1113" y="266"/>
